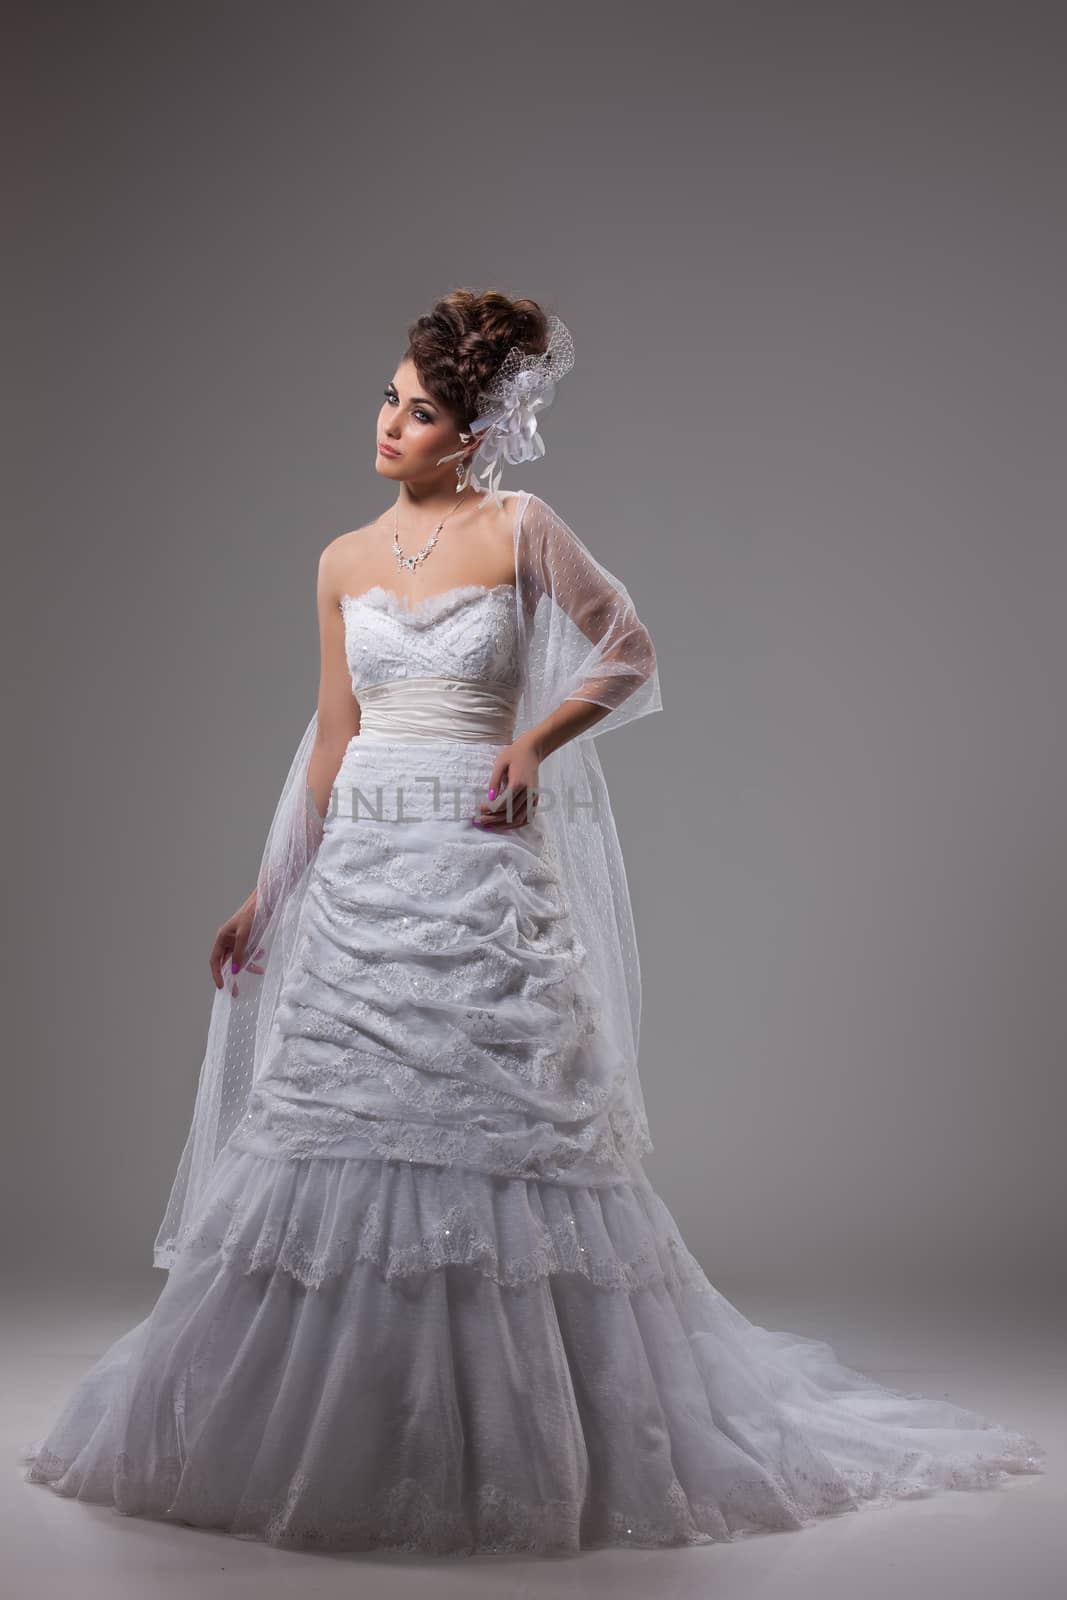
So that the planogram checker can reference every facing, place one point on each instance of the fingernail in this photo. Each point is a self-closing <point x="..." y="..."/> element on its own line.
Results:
<point x="234" y="967"/>
<point x="492" y="793"/>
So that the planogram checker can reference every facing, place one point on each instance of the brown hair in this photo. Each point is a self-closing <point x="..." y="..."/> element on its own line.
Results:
<point x="459" y="344"/>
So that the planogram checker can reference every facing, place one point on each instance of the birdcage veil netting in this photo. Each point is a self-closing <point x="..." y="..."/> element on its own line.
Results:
<point x="523" y="385"/>
<point x="580" y="639"/>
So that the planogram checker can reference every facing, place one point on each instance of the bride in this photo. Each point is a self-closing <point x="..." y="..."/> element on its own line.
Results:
<point x="420" y="1292"/>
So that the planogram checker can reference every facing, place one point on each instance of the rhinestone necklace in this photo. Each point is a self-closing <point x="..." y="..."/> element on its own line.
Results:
<point x="411" y="562"/>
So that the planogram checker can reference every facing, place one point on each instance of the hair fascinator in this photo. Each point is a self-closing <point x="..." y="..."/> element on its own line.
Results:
<point x="522" y="386"/>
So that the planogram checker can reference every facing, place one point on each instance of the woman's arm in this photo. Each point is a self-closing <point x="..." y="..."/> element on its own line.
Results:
<point x="554" y="562"/>
<point x="565" y="723"/>
<point x="620" y="659"/>
<point x="336" y="720"/>
<point x="338" y="708"/>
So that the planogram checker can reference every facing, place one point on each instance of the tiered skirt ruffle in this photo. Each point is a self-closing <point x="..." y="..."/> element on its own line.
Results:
<point x="362" y="1353"/>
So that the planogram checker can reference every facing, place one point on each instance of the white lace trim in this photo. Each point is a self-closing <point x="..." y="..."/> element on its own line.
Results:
<point x="317" y="1221"/>
<point x="428" y="607"/>
<point x="404" y="1517"/>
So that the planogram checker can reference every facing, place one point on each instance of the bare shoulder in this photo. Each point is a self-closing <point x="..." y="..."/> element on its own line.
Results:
<point x="352" y="543"/>
<point x="497" y="537"/>
<point x="503" y="517"/>
<point x="344" y="553"/>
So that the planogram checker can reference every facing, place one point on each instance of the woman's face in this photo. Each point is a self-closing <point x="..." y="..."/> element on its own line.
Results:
<point x="416" y="428"/>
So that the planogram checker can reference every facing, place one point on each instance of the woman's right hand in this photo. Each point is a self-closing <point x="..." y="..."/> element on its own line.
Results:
<point x="231" y="943"/>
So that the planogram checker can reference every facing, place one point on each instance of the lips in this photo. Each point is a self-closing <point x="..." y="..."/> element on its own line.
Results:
<point x="387" y="450"/>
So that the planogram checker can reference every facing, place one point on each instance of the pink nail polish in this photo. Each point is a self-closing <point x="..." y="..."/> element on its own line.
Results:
<point x="234" y="967"/>
<point x="492" y="794"/>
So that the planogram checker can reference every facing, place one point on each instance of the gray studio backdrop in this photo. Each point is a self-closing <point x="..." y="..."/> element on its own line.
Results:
<point x="813" y="258"/>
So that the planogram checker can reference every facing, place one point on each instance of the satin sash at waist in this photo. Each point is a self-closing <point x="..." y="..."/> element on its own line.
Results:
<point x="428" y="708"/>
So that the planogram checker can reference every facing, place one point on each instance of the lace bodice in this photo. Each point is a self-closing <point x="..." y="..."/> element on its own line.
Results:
<point x="468" y="632"/>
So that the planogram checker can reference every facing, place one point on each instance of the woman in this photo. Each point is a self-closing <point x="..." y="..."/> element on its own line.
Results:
<point x="421" y="1294"/>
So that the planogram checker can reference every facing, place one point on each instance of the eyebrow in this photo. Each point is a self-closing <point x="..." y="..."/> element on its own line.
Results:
<point x="416" y="399"/>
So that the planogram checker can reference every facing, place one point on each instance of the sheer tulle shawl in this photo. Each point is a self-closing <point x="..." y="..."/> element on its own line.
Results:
<point x="580" y="639"/>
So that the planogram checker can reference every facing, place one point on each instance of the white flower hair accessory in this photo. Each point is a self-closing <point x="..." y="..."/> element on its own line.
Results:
<point x="522" y="386"/>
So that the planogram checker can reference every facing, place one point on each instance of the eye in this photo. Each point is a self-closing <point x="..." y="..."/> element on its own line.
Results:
<point x="424" y="416"/>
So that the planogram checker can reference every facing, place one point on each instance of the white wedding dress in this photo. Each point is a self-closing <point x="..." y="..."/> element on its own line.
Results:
<point x="429" y="1300"/>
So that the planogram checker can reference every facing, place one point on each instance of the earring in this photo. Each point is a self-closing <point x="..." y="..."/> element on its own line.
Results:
<point x="463" y="464"/>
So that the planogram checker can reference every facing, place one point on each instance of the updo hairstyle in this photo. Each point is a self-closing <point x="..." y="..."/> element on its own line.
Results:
<point x="462" y="340"/>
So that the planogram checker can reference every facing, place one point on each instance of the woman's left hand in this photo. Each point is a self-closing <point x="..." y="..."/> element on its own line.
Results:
<point x="512" y="787"/>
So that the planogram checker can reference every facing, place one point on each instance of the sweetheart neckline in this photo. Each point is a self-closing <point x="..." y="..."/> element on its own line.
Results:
<point x="398" y="604"/>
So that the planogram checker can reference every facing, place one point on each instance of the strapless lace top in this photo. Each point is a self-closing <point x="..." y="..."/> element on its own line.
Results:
<point x="445" y="668"/>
